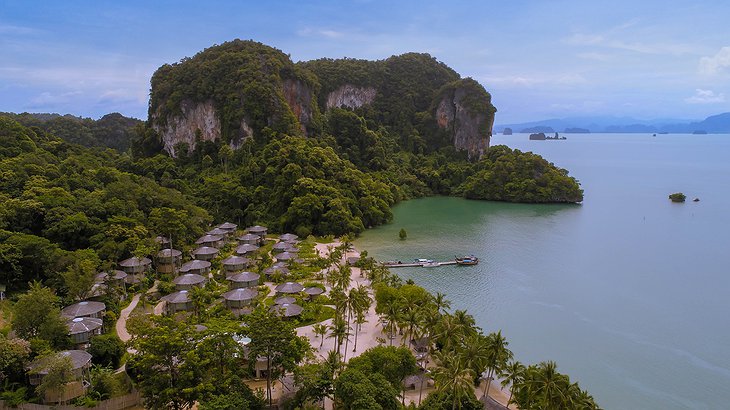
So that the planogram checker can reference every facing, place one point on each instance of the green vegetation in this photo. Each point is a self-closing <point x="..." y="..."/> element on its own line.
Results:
<point x="402" y="234"/>
<point x="678" y="197"/>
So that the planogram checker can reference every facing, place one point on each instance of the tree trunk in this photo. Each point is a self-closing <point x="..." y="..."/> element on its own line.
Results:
<point x="489" y="381"/>
<point x="268" y="378"/>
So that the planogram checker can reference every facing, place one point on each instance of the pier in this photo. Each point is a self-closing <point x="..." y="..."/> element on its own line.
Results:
<point x="418" y="265"/>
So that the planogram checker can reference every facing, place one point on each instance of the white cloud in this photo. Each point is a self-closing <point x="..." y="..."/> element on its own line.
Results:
<point x="718" y="63"/>
<point x="705" y="97"/>
<point x="47" y="98"/>
<point x="318" y="32"/>
<point x="594" y="56"/>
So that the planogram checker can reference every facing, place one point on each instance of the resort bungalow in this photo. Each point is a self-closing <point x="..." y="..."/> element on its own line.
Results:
<point x="80" y="365"/>
<point x="218" y="232"/>
<point x="244" y="280"/>
<point x="114" y="278"/>
<point x="249" y="239"/>
<point x="164" y="242"/>
<point x="135" y="265"/>
<point x="246" y="249"/>
<point x="239" y="298"/>
<point x="284" y="300"/>
<point x="82" y="328"/>
<point x="278" y="268"/>
<point x="280" y="247"/>
<point x="213" y="241"/>
<point x="287" y="309"/>
<point x="259" y="231"/>
<point x="188" y="281"/>
<point x="86" y="308"/>
<point x="196" y="266"/>
<point x="177" y="302"/>
<point x="289" y="288"/>
<point x="235" y="263"/>
<point x="288" y="237"/>
<point x="205" y="253"/>
<point x="168" y="260"/>
<point x="285" y="256"/>
<point x="313" y="292"/>
<point x="228" y="227"/>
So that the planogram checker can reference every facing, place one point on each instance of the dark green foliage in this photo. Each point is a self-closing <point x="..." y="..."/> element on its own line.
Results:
<point x="515" y="176"/>
<point x="58" y="198"/>
<point x="442" y="400"/>
<point x="244" y="79"/>
<point x="36" y="316"/>
<point x="402" y="234"/>
<point x="356" y="390"/>
<point x="394" y="363"/>
<point x="111" y="131"/>
<point x="107" y="350"/>
<point x="678" y="197"/>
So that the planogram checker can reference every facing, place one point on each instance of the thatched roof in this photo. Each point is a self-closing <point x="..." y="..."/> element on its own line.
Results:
<point x="285" y="256"/>
<point x="169" y="253"/>
<point x="244" y="277"/>
<point x="217" y="232"/>
<point x="236" y="260"/>
<point x="258" y="229"/>
<point x="83" y="325"/>
<point x="181" y="296"/>
<point x="284" y="300"/>
<point x="134" y="262"/>
<point x="313" y="291"/>
<point x="85" y="308"/>
<point x="105" y="276"/>
<point x="228" y="226"/>
<point x="240" y="294"/>
<point x="194" y="264"/>
<point x="289" y="287"/>
<point x="246" y="248"/>
<point x="287" y="310"/>
<point x="248" y="237"/>
<point x="272" y="270"/>
<point x="162" y="240"/>
<point x="205" y="250"/>
<point x="281" y="246"/>
<point x="208" y="239"/>
<point x="189" y="279"/>
<point x="288" y="237"/>
<point x="79" y="359"/>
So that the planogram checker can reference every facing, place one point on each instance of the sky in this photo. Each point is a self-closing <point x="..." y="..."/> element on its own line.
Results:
<point x="539" y="59"/>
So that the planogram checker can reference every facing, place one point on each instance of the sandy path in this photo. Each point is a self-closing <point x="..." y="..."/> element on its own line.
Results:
<point x="121" y="324"/>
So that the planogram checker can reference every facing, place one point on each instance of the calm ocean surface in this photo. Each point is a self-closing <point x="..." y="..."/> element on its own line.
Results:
<point x="628" y="292"/>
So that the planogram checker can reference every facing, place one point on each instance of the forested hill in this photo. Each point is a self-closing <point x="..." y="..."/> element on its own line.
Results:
<point x="65" y="208"/>
<point x="111" y="131"/>
<point x="246" y="90"/>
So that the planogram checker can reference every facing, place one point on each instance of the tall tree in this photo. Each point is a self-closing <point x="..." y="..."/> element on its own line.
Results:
<point x="275" y="340"/>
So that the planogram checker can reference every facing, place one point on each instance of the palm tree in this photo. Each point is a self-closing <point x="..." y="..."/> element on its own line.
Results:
<point x="392" y="316"/>
<point x="361" y="303"/>
<point x="497" y="356"/>
<point x="466" y="322"/>
<point x="474" y="353"/>
<point x="320" y="330"/>
<point x="340" y="330"/>
<point x="447" y="332"/>
<point x="453" y="377"/>
<point x="513" y="374"/>
<point x="441" y="303"/>
<point x="548" y="386"/>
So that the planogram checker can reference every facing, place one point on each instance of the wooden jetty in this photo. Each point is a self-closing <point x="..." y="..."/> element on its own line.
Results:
<point x="418" y="265"/>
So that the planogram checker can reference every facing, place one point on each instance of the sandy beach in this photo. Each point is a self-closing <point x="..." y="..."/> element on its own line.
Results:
<point x="371" y="332"/>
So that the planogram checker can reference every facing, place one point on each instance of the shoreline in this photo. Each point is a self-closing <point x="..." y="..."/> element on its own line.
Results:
<point x="372" y="330"/>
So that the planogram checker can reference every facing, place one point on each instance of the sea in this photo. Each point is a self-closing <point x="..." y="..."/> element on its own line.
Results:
<point x="628" y="292"/>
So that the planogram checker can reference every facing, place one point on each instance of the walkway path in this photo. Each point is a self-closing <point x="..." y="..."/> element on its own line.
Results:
<point x="121" y="324"/>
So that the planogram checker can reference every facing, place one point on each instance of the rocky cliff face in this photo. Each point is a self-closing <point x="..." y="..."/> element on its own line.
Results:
<point x="196" y="118"/>
<point x="465" y="116"/>
<point x="299" y="97"/>
<point x="351" y="96"/>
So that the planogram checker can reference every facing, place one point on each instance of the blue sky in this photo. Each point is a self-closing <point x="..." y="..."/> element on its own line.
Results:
<point x="539" y="59"/>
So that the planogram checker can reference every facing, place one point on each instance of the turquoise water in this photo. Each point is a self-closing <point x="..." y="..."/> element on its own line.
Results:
<point x="628" y="292"/>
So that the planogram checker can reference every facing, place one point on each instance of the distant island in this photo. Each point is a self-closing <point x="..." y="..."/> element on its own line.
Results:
<point x="716" y="124"/>
<point x="507" y="131"/>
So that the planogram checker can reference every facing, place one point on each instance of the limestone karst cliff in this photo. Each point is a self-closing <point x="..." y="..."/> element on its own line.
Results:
<point x="243" y="89"/>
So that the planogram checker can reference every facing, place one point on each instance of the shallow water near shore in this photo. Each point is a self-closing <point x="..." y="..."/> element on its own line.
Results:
<point x="627" y="292"/>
